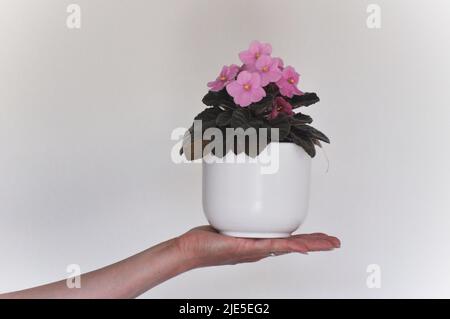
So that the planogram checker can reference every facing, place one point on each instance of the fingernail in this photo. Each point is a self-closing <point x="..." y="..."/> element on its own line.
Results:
<point x="336" y="242"/>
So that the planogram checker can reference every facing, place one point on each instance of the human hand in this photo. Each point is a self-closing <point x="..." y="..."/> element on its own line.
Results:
<point x="204" y="246"/>
<point x="199" y="247"/>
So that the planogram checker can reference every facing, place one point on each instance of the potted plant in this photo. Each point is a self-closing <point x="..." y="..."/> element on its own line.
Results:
<point x="250" y="118"/>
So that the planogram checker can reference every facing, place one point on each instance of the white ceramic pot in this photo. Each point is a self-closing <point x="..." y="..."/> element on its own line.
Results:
<point x="240" y="200"/>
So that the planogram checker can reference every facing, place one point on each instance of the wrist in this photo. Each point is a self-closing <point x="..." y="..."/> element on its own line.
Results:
<point x="187" y="259"/>
<point x="156" y="265"/>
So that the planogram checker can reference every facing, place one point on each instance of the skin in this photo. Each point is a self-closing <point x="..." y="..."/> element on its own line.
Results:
<point x="199" y="247"/>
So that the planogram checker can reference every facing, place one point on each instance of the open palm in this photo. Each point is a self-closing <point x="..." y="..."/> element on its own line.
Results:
<point x="206" y="247"/>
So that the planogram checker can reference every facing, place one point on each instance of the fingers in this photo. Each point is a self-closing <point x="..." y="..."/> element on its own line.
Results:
<point x="314" y="244"/>
<point x="280" y="246"/>
<point x="320" y="236"/>
<point x="301" y="244"/>
<point x="336" y="242"/>
<point x="318" y="243"/>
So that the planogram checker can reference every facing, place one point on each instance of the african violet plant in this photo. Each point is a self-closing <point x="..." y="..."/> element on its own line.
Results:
<point x="261" y="93"/>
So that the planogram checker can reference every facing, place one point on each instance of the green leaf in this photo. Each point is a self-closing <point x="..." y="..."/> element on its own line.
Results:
<point x="306" y="99"/>
<point x="301" y="118"/>
<point x="305" y="142"/>
<point x="208" y="117"/>
<point x="317" y="142"/>
<point x="224" y="118"/>
<point x="256" y="123"/>
<point x="262" y="106"/>
<point x="221" y="98"/>
<point x="272" y="89"/>
<point x="208" y="114"/>
<point x="240" y="118"/>
<point x="311" y="132"/>
<point x="282" y="123"/>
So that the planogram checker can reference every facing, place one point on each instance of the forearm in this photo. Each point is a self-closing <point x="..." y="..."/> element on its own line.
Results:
<point x="200" y="247"/>
<point x="125" y="279"/>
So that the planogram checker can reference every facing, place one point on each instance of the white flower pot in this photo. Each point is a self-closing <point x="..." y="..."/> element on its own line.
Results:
<point x="240" y="200"/>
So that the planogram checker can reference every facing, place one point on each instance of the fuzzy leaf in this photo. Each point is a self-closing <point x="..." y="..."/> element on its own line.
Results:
<point x="272" y="89"/>
<point x="240" y="118"/>
<point x="208" y="114"/>
<point x="224" y="118"/>
<point x="221" y="98"/>
<point x="305" y="142"/>
<point x="312" y="133"/>
<point x="301" y="118"/>
<point x="306" y="99"/>
<point x="282" y="123"/>
<point x="208" y="117"/>
<point x="256" y="123"/>
<point x="262" y="106"/>
<point x="317" y="142"/>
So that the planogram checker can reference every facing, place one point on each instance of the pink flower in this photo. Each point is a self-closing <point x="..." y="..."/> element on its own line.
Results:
<point x="227" y="75"/>
<point x="246" y="89"/>
<point x="288" y="82"/>
<point x="256" y="50"/>
<point x="248" y="67"/>
<point x="267" y="69"/>
<point x="280" y="105"/>
<point x="280" y="63"/>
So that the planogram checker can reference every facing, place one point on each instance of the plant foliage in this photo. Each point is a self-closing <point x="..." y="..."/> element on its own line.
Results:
<point x="223" y="113"/>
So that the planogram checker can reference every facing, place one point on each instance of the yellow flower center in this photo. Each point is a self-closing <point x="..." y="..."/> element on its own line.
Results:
<point x="265" y="68"/>
<point x="223" y="78"/>
<point x="247" y="87"/>
<point x="279" y="108"/>
<point x="291" y="80"/>
<point x="257" y="55"/>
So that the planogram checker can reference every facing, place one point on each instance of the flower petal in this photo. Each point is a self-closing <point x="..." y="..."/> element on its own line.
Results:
<point x="234" y="88"/>
<point x="258" y="94"/>
<point x="289" y="72"/>
<point x="255" y="80"/>
<point x="244" y="77"/>
<point x="232" y="71"/>
<point x="263" y="61"/>
<point x="279" y="62"/>
<point x="216" y="86"/>
<point x="266" y="48"/>
<point x="223" y="71"/>
<point x="254" y="47"/>
<point x="244" y="99"/>
<point x="273" y="75"/>
<point x="247" y="57"/>
<point x="264" y="79"/>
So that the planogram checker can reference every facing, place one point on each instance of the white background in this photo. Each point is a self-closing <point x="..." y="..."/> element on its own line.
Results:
<point x="86" y="117"/>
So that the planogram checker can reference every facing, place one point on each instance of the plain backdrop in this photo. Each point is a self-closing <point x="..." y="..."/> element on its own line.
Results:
<point x="86" y="116"/>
